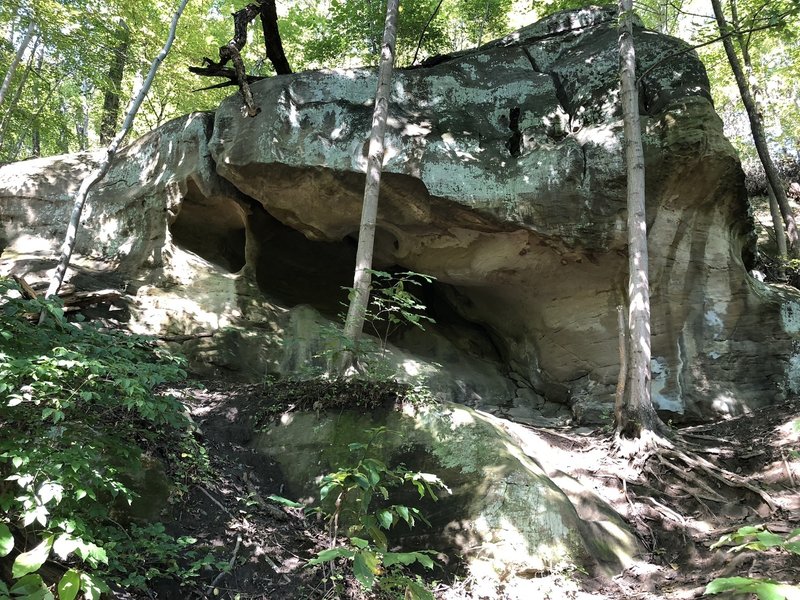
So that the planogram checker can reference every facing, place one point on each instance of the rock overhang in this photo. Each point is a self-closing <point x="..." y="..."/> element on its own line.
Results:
<point x="505" y="179"/>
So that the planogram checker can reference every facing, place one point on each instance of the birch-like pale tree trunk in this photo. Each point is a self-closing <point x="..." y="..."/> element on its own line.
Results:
<point x="105" y="164"/>
<point x="6" y="118"/>
<point x="636" y="416"/>
<point x="757" y="130"/>
<point x="12" y="68"/>
<point x="359" y="300"/>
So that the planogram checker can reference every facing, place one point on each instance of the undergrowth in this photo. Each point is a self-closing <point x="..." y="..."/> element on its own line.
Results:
<point x="80" y="414"/>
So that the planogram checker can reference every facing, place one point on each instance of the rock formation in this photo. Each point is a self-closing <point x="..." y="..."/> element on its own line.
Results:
<point x="504" y="179"/>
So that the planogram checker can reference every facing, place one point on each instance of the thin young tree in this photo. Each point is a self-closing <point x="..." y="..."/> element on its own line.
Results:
<point x="12" y="68"/>
<point x="116" y="71"/>
<point x="636" y="416"/>
<point x="359" y="300"/>
<point x="757" y="130"/>
<point x="774" y="208"/>
<point x="102" y="168"/>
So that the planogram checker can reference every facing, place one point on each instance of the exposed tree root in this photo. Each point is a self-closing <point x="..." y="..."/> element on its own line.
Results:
<point x="723" y="476"/>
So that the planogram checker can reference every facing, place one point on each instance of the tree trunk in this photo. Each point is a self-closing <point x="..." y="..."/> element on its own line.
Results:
<point x="780" y="232"/>
<point x="116" y="71"/>
<point x="105" y="164"/>
<point x="4" y="87"/>
<point x="17" y="94"/>
<point x="757" y="129"/>
<point x="637" y="416"/>
<point x="36" y="146"/>
<point x="272" y="38"/>
<point x="359" y="300"/>
<point x="774" y="207"/>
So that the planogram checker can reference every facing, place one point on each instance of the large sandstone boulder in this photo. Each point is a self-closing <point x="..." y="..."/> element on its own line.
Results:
<point x="502" y="515"/>
<point x="504" y="179"/>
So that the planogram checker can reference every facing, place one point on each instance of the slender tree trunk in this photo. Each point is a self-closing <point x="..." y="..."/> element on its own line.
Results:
<point x="780" y="233"/>
<point x="774" y="207"/>
<point x="272" y="38"/>
<point x="116" y="71"/>
<point x="105" y="164"/>
<point x="15" y="62"/>
<point x="17" y="94"/>
<point x="359" y="300"/>
<point x="637" y="416"/>
<point x="757" y="129"/>
<point x="36" y="147"/>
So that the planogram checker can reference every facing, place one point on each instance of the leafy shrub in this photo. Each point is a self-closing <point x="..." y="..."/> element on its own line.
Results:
<point x="354" y="488"/>
<point x="757" y="538"/>
<point x="78" y="410"/>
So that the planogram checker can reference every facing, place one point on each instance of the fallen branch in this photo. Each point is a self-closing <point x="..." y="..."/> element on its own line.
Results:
<point x="27" y="290"/>
<point x="214" y="500"/>
<point x="185" y="337"/>
<point x="219" y="577"/>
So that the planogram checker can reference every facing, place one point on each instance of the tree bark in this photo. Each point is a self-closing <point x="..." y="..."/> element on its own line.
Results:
<point x="359" y="300"/>
<point x="17" y="94"/>
<point x="116" y="72"/>
<point x="272" y="38"/>
<point x="105" y="164"/>
<point x="757" y="130"/>
<point x="774" y="207"/>
<point x="637" y="416"/>
<point x="231" y="52"/>
<point x="12" y="68"/>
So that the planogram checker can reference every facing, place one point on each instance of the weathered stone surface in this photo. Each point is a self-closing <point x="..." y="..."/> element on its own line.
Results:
<point x="504" y="179"/>
<point x="504" y="516"/>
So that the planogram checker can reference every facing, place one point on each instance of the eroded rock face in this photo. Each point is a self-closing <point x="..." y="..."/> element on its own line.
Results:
<point x="504" y="178"/>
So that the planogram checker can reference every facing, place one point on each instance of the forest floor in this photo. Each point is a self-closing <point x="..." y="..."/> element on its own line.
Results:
<point x="677" y="514"/>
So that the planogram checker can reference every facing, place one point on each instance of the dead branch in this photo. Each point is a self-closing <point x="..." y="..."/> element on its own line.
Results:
<point x="231" y="52"/>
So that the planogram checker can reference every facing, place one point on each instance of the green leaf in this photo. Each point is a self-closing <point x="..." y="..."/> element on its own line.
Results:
<point x="365" y="567"/>
<point x="6" y="540"/>
<point x="64" y="545"/>
<point x="284" y="501"/>
<point x="31" y="587"/>
<point x="362" y="481"/>
<point x="403" y="512"/>
<point x="769" y="539"/>
<point x="385" y="518"/>
<point x="93" y="587"/>
<point x="398" y="558"/>
<point x="70" y="585"/>
<point x="30" y="561"/>
<point x="764" y="589"/>
<point x="331" y="554"/>
<point x="415" y="591"/>
<point x="359" y="542"/>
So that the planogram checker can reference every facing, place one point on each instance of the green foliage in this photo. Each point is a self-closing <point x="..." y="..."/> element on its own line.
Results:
<point x="759" y="539"/>
<point x="361" y="494"/>
<point x="392" y="304"/>
<point x="78" y="411"/>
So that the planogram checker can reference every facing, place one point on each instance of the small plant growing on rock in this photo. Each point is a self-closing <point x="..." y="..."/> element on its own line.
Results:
<point x="353" y="489"/>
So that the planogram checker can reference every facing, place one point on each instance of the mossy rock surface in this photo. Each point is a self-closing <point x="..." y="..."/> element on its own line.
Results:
<point x="504" y="515"/>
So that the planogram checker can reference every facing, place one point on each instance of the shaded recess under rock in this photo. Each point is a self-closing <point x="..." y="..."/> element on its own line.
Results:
<point x="504" y="179"/>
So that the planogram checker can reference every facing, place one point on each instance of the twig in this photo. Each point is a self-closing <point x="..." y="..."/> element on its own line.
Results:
<point x="214" y="500"/>
<point x="424" y="29"/>
<point x="664" y="59"/>
<point x="219" y="577"/>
